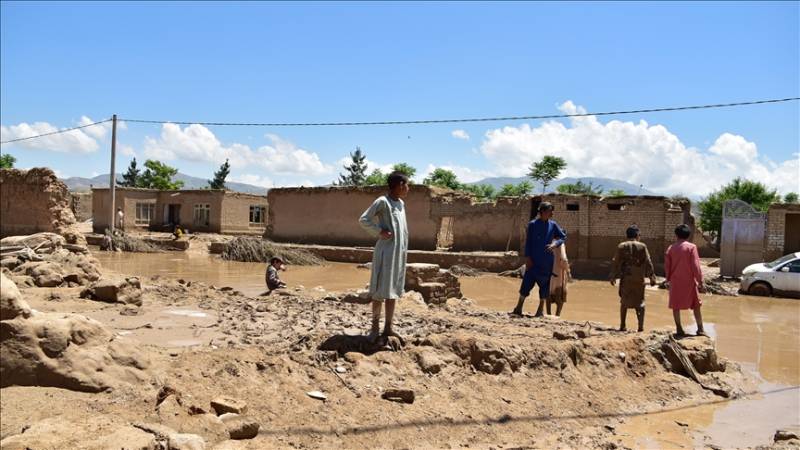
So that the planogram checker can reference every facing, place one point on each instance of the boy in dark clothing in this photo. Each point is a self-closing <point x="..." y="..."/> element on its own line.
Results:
<point x="272" y="278"/>
<point x="544" y="235"/>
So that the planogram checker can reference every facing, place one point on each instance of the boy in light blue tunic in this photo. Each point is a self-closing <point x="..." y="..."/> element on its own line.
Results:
<point x="386" y="220"/>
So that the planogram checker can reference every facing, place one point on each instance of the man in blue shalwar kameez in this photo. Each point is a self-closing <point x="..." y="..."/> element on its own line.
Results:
<point x="386" y="220"/>
<point x="544" y="235"/>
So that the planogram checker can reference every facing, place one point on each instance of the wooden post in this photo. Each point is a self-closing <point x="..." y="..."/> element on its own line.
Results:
<point x="112" y="179"/>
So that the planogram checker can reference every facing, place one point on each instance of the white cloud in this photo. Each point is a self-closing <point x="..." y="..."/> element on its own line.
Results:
<point x="127" y="150"/>
<point x="77" y="141"/>
<point x="635" y="152"/>
<point x="198" y="143"/>
<point x="460" y="134"/>
<point x="464" y="174"/>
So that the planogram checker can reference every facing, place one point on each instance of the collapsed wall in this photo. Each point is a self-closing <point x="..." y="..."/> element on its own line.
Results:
<point x="81" y="205"/>
<point x="33" y="201"/>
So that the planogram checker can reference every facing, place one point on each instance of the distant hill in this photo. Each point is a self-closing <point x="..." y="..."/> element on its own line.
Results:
<point x="79" y="184"/>
<point x="606" y="184"/>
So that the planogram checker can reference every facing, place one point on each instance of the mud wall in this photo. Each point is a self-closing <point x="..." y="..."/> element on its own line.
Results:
<point x="33" y="201"/>
<point x="329" y="216"/>
<point x="81" y="205"/>
<point x="782" y="231"/>
<point x="236" y="213"/>
<point x="491" y="226"/>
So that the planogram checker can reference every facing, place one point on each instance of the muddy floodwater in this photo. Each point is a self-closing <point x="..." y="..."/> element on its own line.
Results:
<point x="761" y="334"/>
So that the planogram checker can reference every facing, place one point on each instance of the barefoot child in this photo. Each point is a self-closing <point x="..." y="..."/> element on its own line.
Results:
<point x="386" y="220"/>
<point x="632" y="264"/>
<point x="685" y="278"/>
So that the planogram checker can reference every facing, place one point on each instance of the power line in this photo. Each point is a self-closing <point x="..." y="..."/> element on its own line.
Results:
<point x="483" y="119"/>
<point x="54" y="132"/>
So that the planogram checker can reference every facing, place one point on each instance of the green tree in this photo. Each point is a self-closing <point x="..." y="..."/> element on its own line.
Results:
<point x="219" y="176"/>
<point x="130" y="178"/>
<point x="515" y="190"/>
<point x="7" y="161"/>
<point x="376" y="178"/>
<point x="754" y="193"/>
<point x="355" y="172"/>
<point x="616" y="193"/>
<point x="158" y="175"/>
<point x="580" y="188"/>
<point x="406" y="169"/>
<point x="482" y="191"/>
<point x="443" y="178"/>
<point x="791" y="197"/>
<point x="547" y="170"/>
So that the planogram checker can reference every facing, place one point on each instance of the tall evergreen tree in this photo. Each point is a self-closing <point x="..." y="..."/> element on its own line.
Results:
<point x="219" y="176"/>
<point x="131" y="177"/>
<point x="355" y="172"/>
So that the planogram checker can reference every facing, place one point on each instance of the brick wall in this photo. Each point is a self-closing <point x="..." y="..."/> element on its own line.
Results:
<point x="33" y="201"/>
<point x="776" y="241"/>
<point x="236" y="213"/>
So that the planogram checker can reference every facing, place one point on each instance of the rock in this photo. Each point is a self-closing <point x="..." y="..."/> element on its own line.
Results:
<point x="67" y="351"/>
<point x="242" y="428"/>
<point x="170" y="408"/>
<point x="11" y="302"/>
<point x="786" y="435"/>
<point x="130" y="310"/>
<point x="227" y="417"/>
<point x="222" y="405"/>
<point x="181" y="441"/>
<point x="47" y="274"/>
<point x="115" y="290"/>
<point x="429" y="362"/>
<point x="317" y="395"/>
<point x="399" y="395"/>
<point x="9" y="263"/>
<point x="341" y="369"/>
<point x="262" y="307"/>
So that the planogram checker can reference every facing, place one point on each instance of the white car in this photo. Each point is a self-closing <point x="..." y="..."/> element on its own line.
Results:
<point x="780" y="277"/>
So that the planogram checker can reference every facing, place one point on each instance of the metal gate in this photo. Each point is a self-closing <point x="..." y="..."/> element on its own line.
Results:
<point x="742" y="237"/>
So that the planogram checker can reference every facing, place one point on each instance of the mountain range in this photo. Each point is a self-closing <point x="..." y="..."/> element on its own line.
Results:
<point x="80" y="184"/>
<point x="607" y="184"/>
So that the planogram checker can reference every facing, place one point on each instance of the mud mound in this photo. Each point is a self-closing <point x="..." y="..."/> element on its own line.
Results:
<point x="11" y="302"/>
<point x="47" y="260"/>
<point x="63" y="350"/>
<point x="115" y="290"/>
<point x="463" y="270"/>
<point x="40" y="202"/>
<point x="130" y="243"/>
<point x="252" y="249"/>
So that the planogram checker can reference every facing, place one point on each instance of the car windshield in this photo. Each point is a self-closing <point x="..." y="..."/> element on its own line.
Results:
<point x="779" y="261"/>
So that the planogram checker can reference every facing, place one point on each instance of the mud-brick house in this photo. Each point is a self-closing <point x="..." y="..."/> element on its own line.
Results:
<point x="782" y="230"/>
<point x="197" y="210"/>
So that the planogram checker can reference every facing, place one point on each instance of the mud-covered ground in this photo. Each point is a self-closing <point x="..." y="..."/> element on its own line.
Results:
<point x="479" y="379"/>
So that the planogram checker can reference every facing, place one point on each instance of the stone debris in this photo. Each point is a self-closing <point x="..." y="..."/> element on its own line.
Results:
<point x="11" y="302"/>
<point x="222" y="405"/>
<point x="399" y="395"/>
<point x="242" y="428"/>
<point x="46" y="260"/>
<point x="317" y="395"/>
<point x="435" y="285"/>
<point x="115" y="290"/>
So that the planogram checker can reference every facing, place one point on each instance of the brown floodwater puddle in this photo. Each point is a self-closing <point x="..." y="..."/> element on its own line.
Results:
<point x="761" y="334"/>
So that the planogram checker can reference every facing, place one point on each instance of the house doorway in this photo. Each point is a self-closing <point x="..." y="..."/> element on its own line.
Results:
<point x="173" y="214"/>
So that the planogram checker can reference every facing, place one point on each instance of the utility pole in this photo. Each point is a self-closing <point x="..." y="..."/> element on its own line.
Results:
<point x="112" y="179"/>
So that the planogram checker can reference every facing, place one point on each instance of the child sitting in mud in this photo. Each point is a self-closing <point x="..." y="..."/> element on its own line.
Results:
<point x="272" y="278"/>
<point x="386" y="220"/>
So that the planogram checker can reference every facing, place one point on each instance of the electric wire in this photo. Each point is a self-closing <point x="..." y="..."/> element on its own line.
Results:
<point x="65" y="130"/>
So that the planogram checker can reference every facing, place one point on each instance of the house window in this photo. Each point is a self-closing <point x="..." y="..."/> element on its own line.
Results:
<point x="202" y="214"/>
<point x="257" y="214"/>
<point x="144" y="213"/>
<point x="573" y="207"/>
<point x="616" y="207"/>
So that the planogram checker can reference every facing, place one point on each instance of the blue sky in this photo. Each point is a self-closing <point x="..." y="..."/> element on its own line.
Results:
<point x="272" y="62"/>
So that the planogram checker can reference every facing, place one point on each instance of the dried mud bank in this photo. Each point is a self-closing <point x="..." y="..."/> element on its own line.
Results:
<point x="291" y="370"/>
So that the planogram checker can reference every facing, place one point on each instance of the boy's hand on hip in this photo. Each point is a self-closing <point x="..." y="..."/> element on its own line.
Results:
<point x="550" y="247"/>
<point x="386" y="234"/>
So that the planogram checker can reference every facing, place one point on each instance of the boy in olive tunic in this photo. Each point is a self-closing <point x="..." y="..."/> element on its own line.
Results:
<point x="386" y="220"/>
<point x="632" y="265"/>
